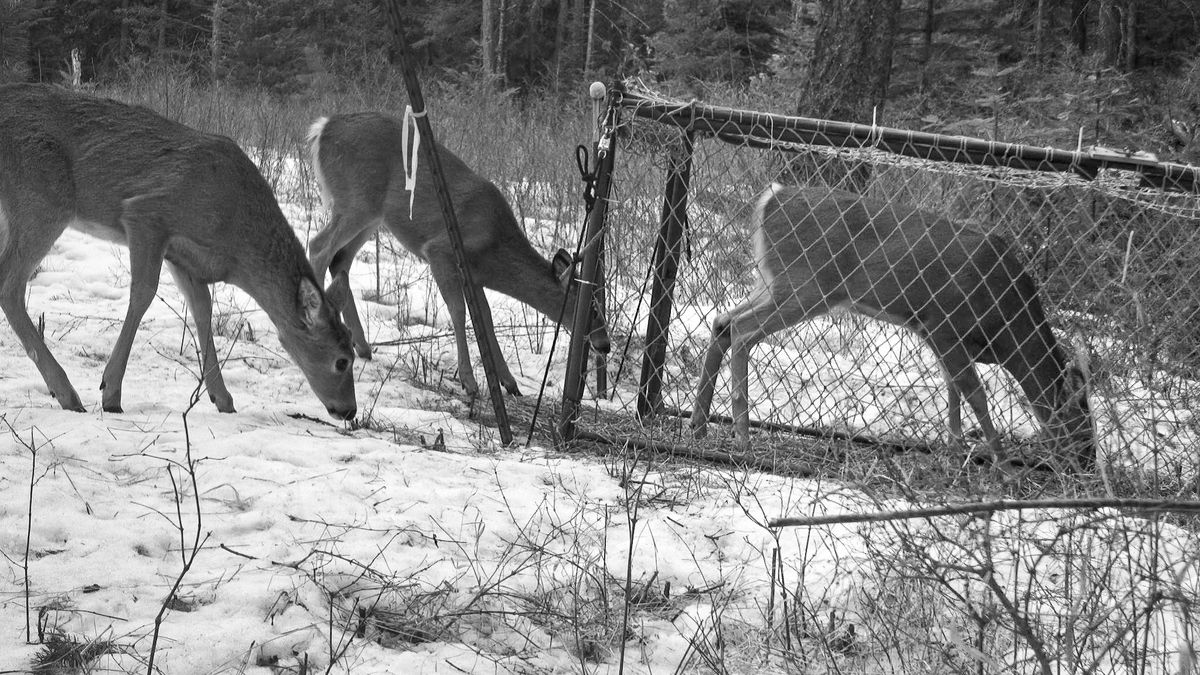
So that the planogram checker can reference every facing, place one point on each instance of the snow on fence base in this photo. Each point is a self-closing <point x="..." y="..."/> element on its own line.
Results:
<point x="1112" y="258"/>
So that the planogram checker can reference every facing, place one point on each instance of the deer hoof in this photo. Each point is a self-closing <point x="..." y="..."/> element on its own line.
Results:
<point x="470" y="387"/>
<point x="70" y="401"/>
<point x="224" y="404"/>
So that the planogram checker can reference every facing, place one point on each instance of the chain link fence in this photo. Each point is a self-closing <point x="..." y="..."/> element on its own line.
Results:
<point x="1109" y="240"/>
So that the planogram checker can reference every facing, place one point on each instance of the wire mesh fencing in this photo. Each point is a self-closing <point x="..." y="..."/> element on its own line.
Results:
<point x="1043" y="268"/>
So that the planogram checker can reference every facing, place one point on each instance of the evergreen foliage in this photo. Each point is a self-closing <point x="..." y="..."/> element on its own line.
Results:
<point x="1124" y="70"/>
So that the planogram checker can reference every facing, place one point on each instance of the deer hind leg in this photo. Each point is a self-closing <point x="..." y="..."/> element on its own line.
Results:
<point x="146" y="250"/>
<point x="766" y="313"/>
<point x="200" y="301"/>
<point x="333" y="251"/>
<point x="26" y="235"/>
<point x="717" y="347"/>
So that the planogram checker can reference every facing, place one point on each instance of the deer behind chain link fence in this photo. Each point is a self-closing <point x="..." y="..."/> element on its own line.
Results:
<point x="1107" y="243"/>
<point x="965" y="293"/>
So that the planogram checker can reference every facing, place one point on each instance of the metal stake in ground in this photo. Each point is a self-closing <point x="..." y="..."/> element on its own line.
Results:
<point x="472" y="293"/>
<point x="575" y="378"/>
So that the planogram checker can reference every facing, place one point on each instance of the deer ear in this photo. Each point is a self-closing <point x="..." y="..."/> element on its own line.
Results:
<point x="561" y="265"/>
<point x="309" y="302"/>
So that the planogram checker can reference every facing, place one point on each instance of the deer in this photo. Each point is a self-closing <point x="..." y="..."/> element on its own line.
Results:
<point x="125" y="174"/>
<point x="965" y="293"/>
<point x="358" y="159"/>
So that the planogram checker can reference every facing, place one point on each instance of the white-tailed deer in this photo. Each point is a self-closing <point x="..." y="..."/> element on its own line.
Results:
<point x="966" y="293"/>
<point x="127" y="175"/>
<point x="359" y="164"/>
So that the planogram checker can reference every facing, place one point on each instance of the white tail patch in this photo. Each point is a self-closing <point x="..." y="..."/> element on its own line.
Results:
<point x="758" y="236"/>
<point x="314" y="149"/>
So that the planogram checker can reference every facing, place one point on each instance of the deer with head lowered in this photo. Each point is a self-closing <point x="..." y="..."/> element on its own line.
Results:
<point x="965" y="293"/>
<point x="168" y="192"/>
<point x="359" y="164"/>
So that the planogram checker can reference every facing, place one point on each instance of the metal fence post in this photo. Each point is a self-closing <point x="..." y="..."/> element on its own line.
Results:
<point x="576" y="375"/>
<point x="475" y="298"/>
<point x="667" y="250"/>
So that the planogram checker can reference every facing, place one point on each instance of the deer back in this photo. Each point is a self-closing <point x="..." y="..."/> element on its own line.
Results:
<point x="361" y="165"/>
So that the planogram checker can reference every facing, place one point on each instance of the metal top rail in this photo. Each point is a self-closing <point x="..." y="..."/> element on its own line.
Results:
<point x="758" y="128"/>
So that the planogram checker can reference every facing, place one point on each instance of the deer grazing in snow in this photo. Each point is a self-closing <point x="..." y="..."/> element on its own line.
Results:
<point x="965" y="293"/>
<point x="359" y="163"/>
<point x="167" y="192"/>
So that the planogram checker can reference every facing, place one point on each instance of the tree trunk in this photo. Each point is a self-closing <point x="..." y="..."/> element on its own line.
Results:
<point x="218" y="17"/>
<point x="1079" y="27"/>
<point x="1111" y="27"/>
<point x="591" y="38"/>
<point x="162" y="27"/>
<point x="578" y="36"/>
<point x="848" y="75"/>
<point x="123" y="44"/>
<point x="501" y="60"/>
<point x="14" y="41"/>
<point x="1129" y="36"/>
<point x="560" y="41"/>
<point x="927" y="43"/>
<point x="1039" y="32"/>
<point x="486" y="31"/>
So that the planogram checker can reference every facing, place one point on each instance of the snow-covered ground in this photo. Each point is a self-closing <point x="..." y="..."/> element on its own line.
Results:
<point x="419" y="545"/>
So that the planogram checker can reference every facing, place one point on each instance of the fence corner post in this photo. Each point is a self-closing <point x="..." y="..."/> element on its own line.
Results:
<point x="667" y="249"/>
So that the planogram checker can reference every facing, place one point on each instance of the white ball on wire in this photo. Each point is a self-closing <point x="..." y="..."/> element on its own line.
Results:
<point x="597" y="91"/>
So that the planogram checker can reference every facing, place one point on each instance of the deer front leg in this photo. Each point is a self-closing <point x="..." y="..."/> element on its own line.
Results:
<point x="954" y="411"/>
<point x="489" y="332"/>
<point x="200" y="302"/>
<point x="965" y="381"/>
<point x="449" y="283"/>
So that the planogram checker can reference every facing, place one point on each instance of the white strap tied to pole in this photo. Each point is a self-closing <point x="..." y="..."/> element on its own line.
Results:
<point x="410" y="170"/>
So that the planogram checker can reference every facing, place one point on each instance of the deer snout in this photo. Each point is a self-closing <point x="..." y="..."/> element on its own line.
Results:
<point x="341" y="412"/>
<point x="599" y="340"/>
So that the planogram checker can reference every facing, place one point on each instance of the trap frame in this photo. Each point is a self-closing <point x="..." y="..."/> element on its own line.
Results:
<point x="1109" y="238"/>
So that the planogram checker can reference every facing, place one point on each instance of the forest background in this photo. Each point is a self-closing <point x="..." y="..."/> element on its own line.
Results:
<point x="1117" y="73"/>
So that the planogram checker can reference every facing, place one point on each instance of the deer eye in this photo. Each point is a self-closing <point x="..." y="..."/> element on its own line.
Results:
<point x="341" y="365"/>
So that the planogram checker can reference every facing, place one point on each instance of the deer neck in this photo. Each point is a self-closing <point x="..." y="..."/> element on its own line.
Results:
<point x="525" y="275"/>
<point x="1043" y="381"/>
<point x="271" y="271"/>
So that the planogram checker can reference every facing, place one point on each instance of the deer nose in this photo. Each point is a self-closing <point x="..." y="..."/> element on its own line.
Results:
<point x="340" y="413"/>
<point x="600" y="342"/>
